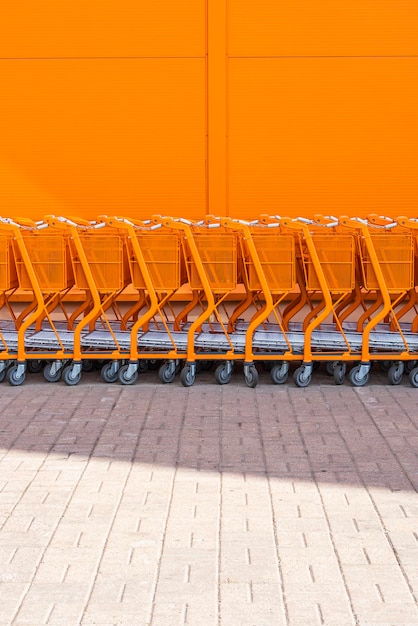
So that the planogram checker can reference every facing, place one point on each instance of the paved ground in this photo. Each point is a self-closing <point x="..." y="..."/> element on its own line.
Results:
<point x="160" y="505"/>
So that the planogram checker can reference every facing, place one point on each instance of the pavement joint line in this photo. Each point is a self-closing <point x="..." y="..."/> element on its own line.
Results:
<point x="273" y="517"/>
<point x="369" y="503"/>
<point x="330" y="535"/>
<point x="376" y="508"/>
<point x="150" y="617"/>
<point x="24" y="595"/>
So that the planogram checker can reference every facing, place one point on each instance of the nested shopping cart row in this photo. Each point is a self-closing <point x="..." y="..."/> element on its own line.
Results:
<point x="285" y="294"/>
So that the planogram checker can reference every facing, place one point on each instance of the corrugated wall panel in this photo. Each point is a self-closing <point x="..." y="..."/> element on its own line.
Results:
<point x="102" y="28"/>
<point x="103" y="107"/>
<point x="112" y="106"/>
<point x="322" y="102"/>
<point x="103" y="135"/>
<point x="326" y="135"/>
<point x="323" y="27"/>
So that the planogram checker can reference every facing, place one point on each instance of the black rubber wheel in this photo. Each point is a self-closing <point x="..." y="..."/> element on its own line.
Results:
<point x="222" y="375"/>
<point x="12" y="377"/>
<point x="339" y="373"/>
<point x="167" y="373"/>
<point x="187" y="378"/>
<point x="68" y="378"/>
<point x="142" y="366"/>
<point x="108" y="375"/>
<point x="123" y="378"/>
<point x="34" y="366"/>
<point x="3" y="374"/>
<point x="385" y="366"/>
<point x="299" y="377"/>
<point x="277" y="376"/>
<point x="395" y="373"/>
<point x="251" y="377"/>
<point x="87" y="365"/>
<point x="52" y="378"/>
<point x="153" y="364"/>
<point x="330" y="367"/>
<point x="413" y="377"/>
<point x="410" y="365"/>
<point x="355" y="379"/>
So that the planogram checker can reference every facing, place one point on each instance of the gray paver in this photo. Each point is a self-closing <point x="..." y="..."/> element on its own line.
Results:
<point x="211" y="506"/>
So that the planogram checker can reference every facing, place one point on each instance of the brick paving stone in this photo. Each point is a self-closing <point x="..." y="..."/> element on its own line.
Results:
<point x="209" y="506"/>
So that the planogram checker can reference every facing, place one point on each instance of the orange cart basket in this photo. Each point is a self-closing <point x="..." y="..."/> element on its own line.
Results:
<point x="44" y="275"/>
<point x="268" y="261"/>
<point x="156" y="269"/>
<point x="8" y="285"/>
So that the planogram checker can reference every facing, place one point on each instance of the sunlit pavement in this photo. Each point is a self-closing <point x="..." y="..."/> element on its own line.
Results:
<point x="212" y="505"/>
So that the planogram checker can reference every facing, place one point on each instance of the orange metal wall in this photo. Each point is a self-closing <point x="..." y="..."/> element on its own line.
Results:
<point x="235" y="107"/>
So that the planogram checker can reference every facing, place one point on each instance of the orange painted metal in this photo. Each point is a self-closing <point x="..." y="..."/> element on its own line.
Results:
<point x="228" y="107"/>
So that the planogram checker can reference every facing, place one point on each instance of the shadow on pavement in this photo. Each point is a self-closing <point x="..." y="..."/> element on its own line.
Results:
<point x="360" y="436"/>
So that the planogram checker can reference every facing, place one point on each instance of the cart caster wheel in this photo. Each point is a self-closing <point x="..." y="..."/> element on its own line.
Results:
<point x="300" y="378"/>
<point x="87" y="365"/>
<point x="50" y="375"/>
<point x="223" y="374"/>
<point x="355" y="379"/>
<point x="3" y="374"/>
<point x="124" y="379"/>
<point x="142" y="366"/>
<point x="34" y="366"/>
<point x="278" y="374"/>
<point x="330" y="367"/>
<point x="187" y="376"/>
<point x="153" y="364"/>
<point x="108" y="373"/>
<point x="385" y="366"/>
<point x="14" y="379"/>
<point x="395" y="373"/>
<point x="69" y="378"/>
<point x="251" y="377"/>
<point x="410" y="365"/>
<point x="167" y="373"/>
<point x="339" y="373"/>
<point x="413" y="377"/>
